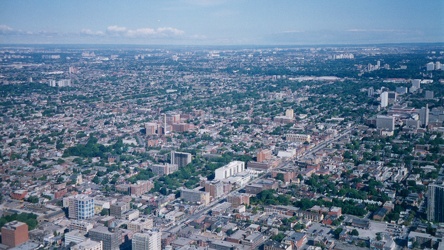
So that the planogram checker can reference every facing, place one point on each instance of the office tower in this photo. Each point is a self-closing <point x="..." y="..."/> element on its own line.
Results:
<point x="385" y="122"/>
<point x="111" y="240"/>
<point x="384" y="99"/>
<point x="289" y="113"/>
<point x="181" y="159"/>
<point x="150" y="240"/>
<point x="81" y="207"/>
<point x="370" y="92"/>
<point x="14" y="233"/>
<point x="430" y="66"/>
<point x="435" y="202"/>
<point x="424" y="115"/>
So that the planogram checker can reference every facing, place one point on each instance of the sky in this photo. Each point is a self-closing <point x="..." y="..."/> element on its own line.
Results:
<point x="221" y="22"/>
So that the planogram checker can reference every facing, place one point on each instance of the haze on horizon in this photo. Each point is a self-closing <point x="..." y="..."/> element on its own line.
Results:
<point x="221" y="22"/>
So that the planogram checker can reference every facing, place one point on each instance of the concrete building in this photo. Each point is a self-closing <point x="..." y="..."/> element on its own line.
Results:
<point x="264" y="155"/>
<point x="74" y="237"/>
<point x="150" y="240"/>
<point x="435" y="202"/>
<point x="181" y="159"/>
<point x="424" y="115"/>
<point x="119" y="208"/>
<point x="237" y="199"/>
<point x="384" y="99"/>
<point x="370" y="92"/>
<point x="141" y="224"/>
<point x="14" y="233"/>
<point x="151" y="128"/>
<point x="111" y="240"/>
<point x="215" y="188"/>
<point x="230" y="169"/>
<point x="429" y="94"/>
<point x="165" y="169"/>
<point x="430" y="66"/>
<point x="80" y="207"/>
<point x="416" y="83"/>
<point x="289" y="113"/>
<point x="88" y="245"/>
<point x="385" y="122"/>
<point x="297" y="138"/>
<point x="195" y="196"/>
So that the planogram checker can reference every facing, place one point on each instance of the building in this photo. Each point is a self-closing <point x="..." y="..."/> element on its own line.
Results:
<point x="88" y="245"/>
<point x="430" y="66"/>
<point x="74" y="237"/>
<point x="289" y="113"/>
<point x="19" y="194"/>
<point x="119" y="208"/>
<point x="401" y="90"/>
<point x="264" y="155"/>
<point x="80" y="207"/>
<point x="140" y="187"/>
<point x="297" y="138"/>
<point x="370" y="92"/>
<point x="230" y="169"/>
<point x="416" y="83"/>
<point x="435" y="202"/>
<point x="193" y="196"/>
<point x="237" y="199"/>
<point x="111" y="240"/>
<point x="181" y="159"/>
<point x="429" y="94"/>
<point x="215" y="188"/>
<point x="14" y="233"/>
<point x="384" y="99"/>
<point x="438" y="66"/>
<point x="79" y="225"/>
<point x="165" y="169"/>
<point x="385" y="122"/>
<point x="424" y="115"/>
<point x="151" y="128"/>
<point x="141" y="224"/>
<point x="150" y="240"/>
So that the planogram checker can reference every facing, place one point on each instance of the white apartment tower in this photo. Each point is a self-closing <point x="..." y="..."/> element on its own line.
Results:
<point x="384" y="99"/>
<point x="150" y="240"/>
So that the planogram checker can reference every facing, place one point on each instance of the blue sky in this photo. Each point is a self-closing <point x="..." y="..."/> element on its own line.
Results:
<point x="221" y="22"/>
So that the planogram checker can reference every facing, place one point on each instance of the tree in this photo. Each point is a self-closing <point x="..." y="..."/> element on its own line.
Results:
<point x="354" y="232"/>
<point x="280" y="177"/>
<point x="337" y="232"/>
<point x="33" y="199"/>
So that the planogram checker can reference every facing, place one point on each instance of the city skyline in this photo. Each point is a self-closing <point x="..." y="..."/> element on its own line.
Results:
<point x="221" y="22"/>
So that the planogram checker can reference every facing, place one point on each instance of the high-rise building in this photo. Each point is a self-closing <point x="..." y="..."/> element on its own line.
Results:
<point x="263" y="155"/>
<point x="435" y="202"/>
<point x="14" y="233"/>
<point x="181" y="159"/>
<point x="384" y="99"/>
<point x="215" y="188"/>
<point x="151" y="128"/>
<point x="438" y="66"/>
<point x="111" y="240"/>
<point x="424" y="115"/>
<point x="370" y="92"/>
<point x="416" y="83"/>
<point x="150" y="240"/>
<point x="430" y="66"/>
<point x="385" y="122"/>
<point x="289" y="113"/>
<point x="80" y="207"/>
<point x="429" y="94"/>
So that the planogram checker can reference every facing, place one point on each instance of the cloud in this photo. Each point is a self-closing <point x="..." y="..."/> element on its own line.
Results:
<point x="91" y="33"/>
<point x="144" y="32"/>
<point x="5" y="28"/>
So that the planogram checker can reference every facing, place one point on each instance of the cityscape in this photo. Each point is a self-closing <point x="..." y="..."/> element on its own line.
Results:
<point x="123" y="147"/>
<point x="222" y="125"/>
